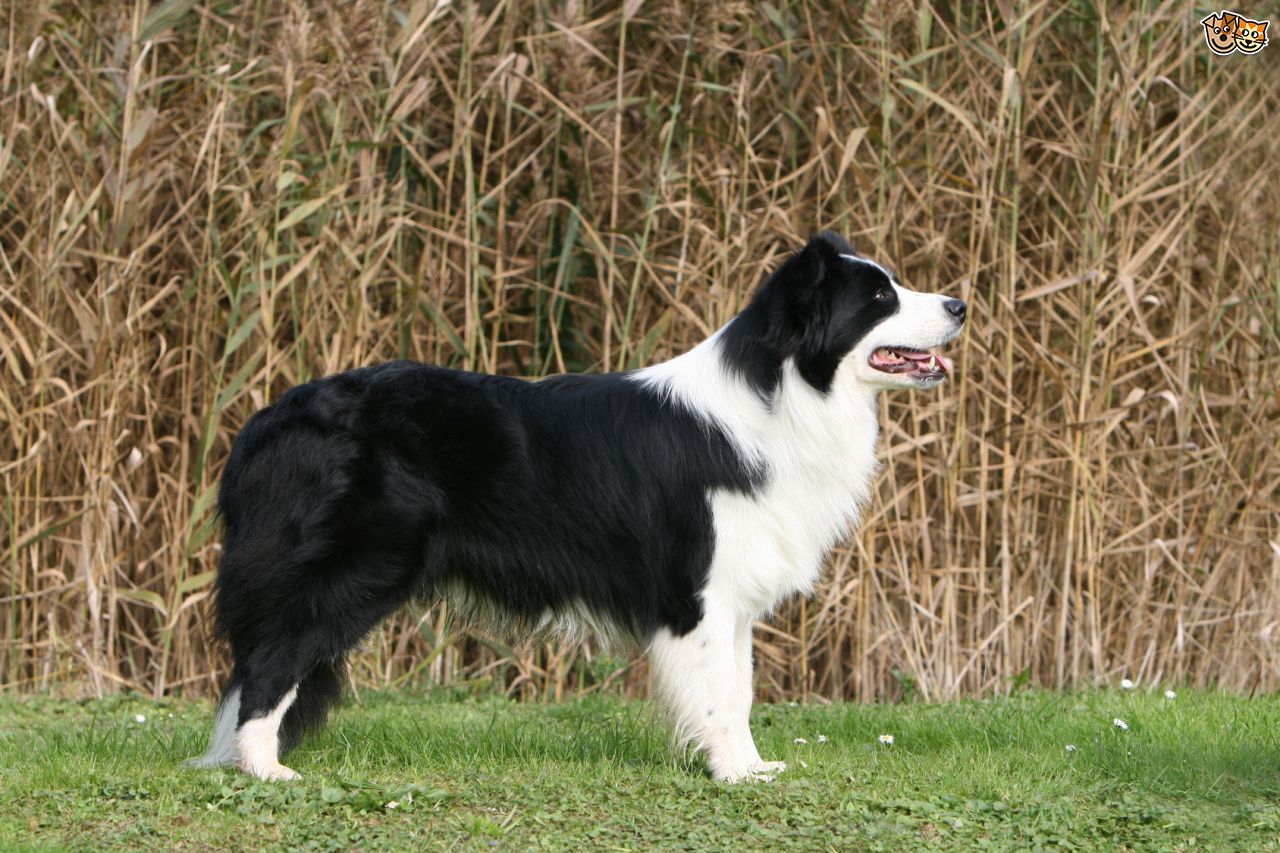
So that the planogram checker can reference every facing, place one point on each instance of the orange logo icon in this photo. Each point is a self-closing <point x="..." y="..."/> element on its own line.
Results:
<point x="1228" y="31"/>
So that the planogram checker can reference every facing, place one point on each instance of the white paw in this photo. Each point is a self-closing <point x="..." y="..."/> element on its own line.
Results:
<point x="761" y="771"/>
<point x="272" y="773"/>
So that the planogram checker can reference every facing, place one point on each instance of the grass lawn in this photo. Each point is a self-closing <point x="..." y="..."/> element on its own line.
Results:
<point x="400" y="771"/>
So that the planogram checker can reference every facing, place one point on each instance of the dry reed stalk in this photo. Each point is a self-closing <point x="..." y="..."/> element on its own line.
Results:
<point x="203" y="204"/>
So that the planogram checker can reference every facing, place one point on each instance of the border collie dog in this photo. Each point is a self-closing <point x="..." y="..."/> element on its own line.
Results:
<point x="671" y="506"/>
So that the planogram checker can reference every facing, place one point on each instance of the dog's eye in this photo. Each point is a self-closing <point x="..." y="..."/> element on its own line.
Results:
<point x="882" y="295"/>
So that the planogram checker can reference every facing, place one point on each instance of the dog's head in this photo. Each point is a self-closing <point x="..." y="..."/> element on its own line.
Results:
<point x="842" y="317"/>
<point x="1220" y="32"/>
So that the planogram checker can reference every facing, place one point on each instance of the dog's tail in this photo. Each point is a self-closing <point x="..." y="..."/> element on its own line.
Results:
<point x="222" y="743"/>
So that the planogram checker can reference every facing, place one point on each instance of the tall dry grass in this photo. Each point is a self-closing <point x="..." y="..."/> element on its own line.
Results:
<point x="202" y="204"/>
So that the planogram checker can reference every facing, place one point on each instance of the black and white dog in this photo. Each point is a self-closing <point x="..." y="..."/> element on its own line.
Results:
<point x="673" y="505"/>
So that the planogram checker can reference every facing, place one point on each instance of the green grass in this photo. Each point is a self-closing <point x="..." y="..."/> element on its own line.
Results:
<point x="1201" y="771"/>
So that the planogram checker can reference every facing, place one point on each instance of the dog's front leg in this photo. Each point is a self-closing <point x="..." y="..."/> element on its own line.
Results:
<point x="746" y="695"/>
<point x="704" y="679"/>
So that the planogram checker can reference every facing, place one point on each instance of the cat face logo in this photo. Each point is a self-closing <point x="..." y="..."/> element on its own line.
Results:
<point x="1227" y="32"/>
<point x="1251" y="36"/>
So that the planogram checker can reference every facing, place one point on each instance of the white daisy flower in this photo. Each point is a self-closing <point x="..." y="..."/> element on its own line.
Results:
<point x="886" y="740"/>
<point x="801" y="740"/>
<point x="822" y="738"/>
<point x="1071" y="747"/>
<point x="1120" y="724"/>
<point x="1169" y="694"/>
<point x="1127" y="683"/>
<point x="139" y="718"/>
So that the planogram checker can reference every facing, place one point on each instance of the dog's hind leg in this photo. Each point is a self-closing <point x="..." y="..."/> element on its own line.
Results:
<point x="268" y="687"/>
<point x="327" y="523"/>
<point x="287" y="687"/>
<point x="289" y="680"/>
<point x="258" y="742"/>
<point x="699" y="678"/>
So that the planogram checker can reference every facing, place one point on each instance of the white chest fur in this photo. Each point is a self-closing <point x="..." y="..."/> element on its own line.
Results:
<point x="819" y="454"/>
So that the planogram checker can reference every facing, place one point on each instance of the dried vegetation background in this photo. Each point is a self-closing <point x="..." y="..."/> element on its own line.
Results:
<point x="203" y="203"/>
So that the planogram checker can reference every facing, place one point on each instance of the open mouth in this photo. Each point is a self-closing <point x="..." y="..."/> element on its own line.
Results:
<point x="915" y="363"/>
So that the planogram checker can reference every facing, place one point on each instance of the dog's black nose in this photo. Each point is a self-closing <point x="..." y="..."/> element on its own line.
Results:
<point x="956" y="308"/>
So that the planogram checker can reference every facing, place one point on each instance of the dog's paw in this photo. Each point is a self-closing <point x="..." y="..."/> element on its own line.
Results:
<point x="273" y="773"/>
<point x="769" y="767"/>
<point x="761" y="771"/>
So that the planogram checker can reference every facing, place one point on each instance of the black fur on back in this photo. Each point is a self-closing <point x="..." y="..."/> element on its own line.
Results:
<point x="359" y="491"/>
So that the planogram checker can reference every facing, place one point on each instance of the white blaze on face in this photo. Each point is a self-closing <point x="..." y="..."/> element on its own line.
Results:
<point x="921" y="321"/>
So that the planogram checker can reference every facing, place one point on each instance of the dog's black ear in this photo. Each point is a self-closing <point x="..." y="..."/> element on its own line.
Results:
<point x="799" y="304"/>
<point x="807" y="268"/>
<point x="789" y="316"/>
